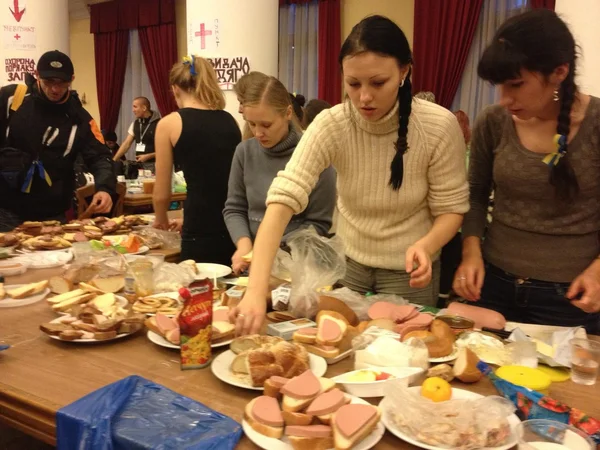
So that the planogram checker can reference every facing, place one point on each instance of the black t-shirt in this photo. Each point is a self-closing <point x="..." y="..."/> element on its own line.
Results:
<point x="144" y="130"/>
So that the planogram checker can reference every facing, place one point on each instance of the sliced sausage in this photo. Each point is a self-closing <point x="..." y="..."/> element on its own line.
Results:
<point x="400" y="313"/>
<point x="306" y="385"/>
<point x="327" y="403"/>
<point x="420" y="322"/>
<point x="221" y="315"/>
<point x="482" y="317"/>
<point x="330" y="330"/>
<point x="266" y="410"/>
<point x="278" y="382"/>
<point x="351" y="418"/>
<point x="307" y="331"/>
<point x="309" y="431"/>
<point x="381" y="310"/>
<point x="80" y="237"/>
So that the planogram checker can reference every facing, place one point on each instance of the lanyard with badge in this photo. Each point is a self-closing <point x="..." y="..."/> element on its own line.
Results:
<point x="140" y="147"/>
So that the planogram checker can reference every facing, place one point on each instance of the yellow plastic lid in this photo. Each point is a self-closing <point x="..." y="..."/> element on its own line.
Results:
<point x="556" y="374"/>
<point x="525" y="376"/>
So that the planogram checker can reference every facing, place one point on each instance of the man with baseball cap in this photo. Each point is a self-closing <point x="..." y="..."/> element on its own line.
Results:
<point x="43" y="128"/>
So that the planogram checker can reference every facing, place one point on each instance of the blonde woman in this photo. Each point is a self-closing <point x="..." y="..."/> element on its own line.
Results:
<point x="201" y="138"/>
<point x="240" y="89"/>
<point x="269" y="113"/>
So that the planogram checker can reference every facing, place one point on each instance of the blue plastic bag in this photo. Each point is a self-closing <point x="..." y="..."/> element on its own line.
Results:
<point x="135" y="413"/>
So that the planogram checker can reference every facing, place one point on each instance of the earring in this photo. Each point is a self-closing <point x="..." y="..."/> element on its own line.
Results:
<point x="555" y="96"/>
<point x="402" y="82"/>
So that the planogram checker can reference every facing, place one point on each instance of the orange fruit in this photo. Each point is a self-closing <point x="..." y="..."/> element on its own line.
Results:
<point x="436" y="389"/>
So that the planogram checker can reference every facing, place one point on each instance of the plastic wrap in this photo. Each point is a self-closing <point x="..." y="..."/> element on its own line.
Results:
<point x="169" y="277"/>
<point x="360" y="304"/>
<point x="135" y="414"/>
<point x="458" y="424"/>
<point x="315" y="262"/>
<point x="377" y="347"/>
<point x="155" y="238"/>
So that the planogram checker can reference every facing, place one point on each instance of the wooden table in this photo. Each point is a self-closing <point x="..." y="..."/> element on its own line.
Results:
<point x="133" y="201"/>
<point x="38" y="375"/>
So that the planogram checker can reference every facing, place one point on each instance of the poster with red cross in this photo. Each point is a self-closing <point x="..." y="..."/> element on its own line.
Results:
<point x="203" y="36"/>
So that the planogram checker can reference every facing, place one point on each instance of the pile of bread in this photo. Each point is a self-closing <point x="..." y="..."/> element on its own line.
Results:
<point x="91" y="316"/>
<point x="168" y="326"/>
<point x="261" y="357"/>
<point x="311" y="412"/>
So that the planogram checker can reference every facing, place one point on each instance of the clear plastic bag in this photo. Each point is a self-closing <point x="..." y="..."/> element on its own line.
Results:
<point x="155" y="238"/>
<point x="458" y="424"/>
<point x="315" y="262"/>
<point x="360" y="304"/>
<point x="169" y="277"/>
<point x="377" y="347"/>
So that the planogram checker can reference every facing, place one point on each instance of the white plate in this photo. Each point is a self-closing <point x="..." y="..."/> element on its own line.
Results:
<point x="210" y="271"/>
<point x="7" y="271"/>
<point x="389" y="423"/>
<point x="284" y="444"/>
<point x="46" y="259"/>
<point x="117" y="239"/>
<point x="143" y="249"/>
<point x="451" y="357"/>
<point x="86" y="341"/>
<point x="173" y="295"/>
<point x="13" y="303"/>
<point x="121" y="301"/>
<point x="159" y="340"/>
<point x="222" y="363"/>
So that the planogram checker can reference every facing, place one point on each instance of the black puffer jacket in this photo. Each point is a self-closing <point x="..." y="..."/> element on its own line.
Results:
<point x="56" y="133"/>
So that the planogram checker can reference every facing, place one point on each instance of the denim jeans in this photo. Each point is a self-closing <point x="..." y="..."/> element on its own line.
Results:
<point x="533" y="301"/>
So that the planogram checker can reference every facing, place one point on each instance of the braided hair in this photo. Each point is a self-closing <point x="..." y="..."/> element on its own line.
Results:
<point x="539" y="41"/>
<point x="380" y="35"/>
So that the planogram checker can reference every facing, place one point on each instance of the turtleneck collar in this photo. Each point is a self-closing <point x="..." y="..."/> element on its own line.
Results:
<point x="387" y="124"/>
<point x="287" y="145"/>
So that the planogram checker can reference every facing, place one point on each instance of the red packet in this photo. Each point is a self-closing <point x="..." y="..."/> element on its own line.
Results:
<point x="195" y="323"/>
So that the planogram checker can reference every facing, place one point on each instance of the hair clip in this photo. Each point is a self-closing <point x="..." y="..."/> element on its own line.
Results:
<point x="189" y="60"/>
<point x="552" y="159"/>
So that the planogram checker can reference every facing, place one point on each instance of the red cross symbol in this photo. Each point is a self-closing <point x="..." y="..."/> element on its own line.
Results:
<point x="17" y="37"/>
<point x="203" y="33"/>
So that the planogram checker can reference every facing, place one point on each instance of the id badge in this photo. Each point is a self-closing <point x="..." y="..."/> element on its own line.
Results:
<point x="140" y="148"/>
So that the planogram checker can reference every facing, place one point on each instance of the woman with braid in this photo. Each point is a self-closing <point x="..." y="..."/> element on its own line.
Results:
<point x="401" y="177"/>
<point x="538" y="261"/>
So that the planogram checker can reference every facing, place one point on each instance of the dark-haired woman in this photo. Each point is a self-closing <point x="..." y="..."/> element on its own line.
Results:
<point x="539" y="150"/>
<point x="401" y="182"/>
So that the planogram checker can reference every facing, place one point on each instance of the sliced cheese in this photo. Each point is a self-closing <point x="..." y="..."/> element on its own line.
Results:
<point x="66" y="296"/>
<point x="105" y="303"/>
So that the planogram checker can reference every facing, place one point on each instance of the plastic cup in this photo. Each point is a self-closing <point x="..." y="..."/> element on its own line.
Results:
<point x="542" y="434"/>
<point x="585" y="359"/>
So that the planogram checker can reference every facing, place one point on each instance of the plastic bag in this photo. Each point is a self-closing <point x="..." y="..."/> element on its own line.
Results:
<point x="155" y="238"/>
<point x="459" y="424"/>
<point x="360" y="304"/>
<point x="169" y="277"/>
<point x="315" y="262"/>
<point x="377" y="347"/>
<point x="135" y="413"/>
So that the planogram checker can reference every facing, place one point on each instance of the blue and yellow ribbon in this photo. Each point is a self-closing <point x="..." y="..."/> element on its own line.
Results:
<point x="552" y="159"/>
<point x="189" y="60"/>
<point x="31" y="172"/>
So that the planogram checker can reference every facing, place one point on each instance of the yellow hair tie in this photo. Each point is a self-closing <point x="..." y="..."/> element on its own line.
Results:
<point x="552" y="159"/>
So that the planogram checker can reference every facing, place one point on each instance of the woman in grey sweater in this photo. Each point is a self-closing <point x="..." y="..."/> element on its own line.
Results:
<point x="257" y="161"/>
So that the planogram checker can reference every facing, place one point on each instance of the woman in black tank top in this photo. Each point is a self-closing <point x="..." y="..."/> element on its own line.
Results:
<point x="201" y="139"/>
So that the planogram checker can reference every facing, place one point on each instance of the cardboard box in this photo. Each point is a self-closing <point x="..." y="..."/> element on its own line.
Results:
<point x="287" y="329"/>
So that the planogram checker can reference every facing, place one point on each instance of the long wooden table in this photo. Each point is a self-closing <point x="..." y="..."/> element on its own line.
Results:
<point x="38" y="375"/>
<point x="133" y="201"/>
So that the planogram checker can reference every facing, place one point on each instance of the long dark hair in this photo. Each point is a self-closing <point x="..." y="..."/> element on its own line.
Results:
<point x="380" y="35"/>
<point x="538" y="41"/>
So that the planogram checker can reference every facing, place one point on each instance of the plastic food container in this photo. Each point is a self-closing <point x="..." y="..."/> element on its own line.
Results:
<point x="376" y="388"/>
<point x="457" y="323"/>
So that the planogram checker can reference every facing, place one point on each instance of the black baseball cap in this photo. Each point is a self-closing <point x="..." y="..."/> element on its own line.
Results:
<point x="55" y="64"/>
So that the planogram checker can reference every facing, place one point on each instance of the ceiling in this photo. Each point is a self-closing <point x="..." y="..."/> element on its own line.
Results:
<point x="78" y="9"/>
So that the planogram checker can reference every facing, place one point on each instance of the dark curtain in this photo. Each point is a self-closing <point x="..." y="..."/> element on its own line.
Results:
<point x="111" y="59"/>
<point x="548" y="4"/>
<point x="443" y="33"/>
<point x="159" y="47"/>
<point x="330" y="80"/>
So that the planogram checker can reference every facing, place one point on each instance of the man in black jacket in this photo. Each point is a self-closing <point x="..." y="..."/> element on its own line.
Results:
<point x="43" y="128"/>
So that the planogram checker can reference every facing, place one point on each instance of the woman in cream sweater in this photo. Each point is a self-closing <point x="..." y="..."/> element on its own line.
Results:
<point x="402" y="188"/>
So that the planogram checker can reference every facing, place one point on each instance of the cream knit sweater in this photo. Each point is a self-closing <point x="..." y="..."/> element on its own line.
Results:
<point x="377" y="223"/>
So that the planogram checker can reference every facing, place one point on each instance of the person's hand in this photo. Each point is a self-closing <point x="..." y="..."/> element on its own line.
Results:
<point x="584" y="291"/>
<point x="250" y="314"/>
<point x="176" y="225"/>
<point x="420" y="276"/>
<point x="101" y="202"/>
<point x="143" y="158"/>
<point x="161" y="222"/>
<point x="468" y="279"/>
<point x="238" y="264"/>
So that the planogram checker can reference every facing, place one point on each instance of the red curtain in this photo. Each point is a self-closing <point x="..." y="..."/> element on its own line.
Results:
<point x="330" y="43"/>
<point x="111" y="59"/>
<point x="159" y="47"/>
<point x="443" y="32"/>
<point x="548" y="4"/>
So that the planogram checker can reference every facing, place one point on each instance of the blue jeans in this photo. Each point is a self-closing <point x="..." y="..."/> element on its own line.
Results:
<point x="533" y="301"/>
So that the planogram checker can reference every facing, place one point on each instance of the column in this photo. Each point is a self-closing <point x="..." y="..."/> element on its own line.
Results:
<point x="583" y="17"/>
<point x="238" y="35"/>
<point x="29" y="29"/>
